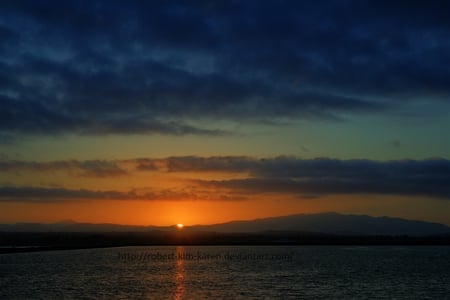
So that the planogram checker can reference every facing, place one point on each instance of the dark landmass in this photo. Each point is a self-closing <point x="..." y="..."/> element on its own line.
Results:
<point x="329" y="223"/>
<point x="71" y="226"/>
<point x="317" y="229"/>
<point x="334" y="223"/>
<point x="11" y="242"/>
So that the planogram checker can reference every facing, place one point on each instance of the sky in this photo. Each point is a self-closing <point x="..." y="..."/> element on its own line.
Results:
<point x="201" y="112"/>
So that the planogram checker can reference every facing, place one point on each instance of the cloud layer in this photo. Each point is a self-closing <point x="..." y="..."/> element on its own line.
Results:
<point x="243" y="178"/>
<point x="115" y="67"/>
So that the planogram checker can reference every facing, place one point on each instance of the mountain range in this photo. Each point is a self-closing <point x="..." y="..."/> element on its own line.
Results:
<point x="323" y="223"/>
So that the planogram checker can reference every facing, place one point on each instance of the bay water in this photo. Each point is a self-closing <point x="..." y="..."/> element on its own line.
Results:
<point x="229" y="272"/>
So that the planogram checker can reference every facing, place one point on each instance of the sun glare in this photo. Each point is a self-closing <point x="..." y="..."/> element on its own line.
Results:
<point x="180" y="226"/>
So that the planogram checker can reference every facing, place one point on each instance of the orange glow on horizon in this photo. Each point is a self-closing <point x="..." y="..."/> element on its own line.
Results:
<point x="168" y="213"/>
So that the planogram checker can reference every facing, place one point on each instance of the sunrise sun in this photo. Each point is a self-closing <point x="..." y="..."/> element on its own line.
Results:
<point x="180" y="226"/>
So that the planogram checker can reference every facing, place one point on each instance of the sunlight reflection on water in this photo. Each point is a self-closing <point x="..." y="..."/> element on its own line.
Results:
<point x="228" y="272"/>
<point x="179" y="275"/>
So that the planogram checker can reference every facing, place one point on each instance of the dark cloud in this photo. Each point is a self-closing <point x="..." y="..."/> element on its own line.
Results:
<point x="88" y="168"/>
<point x="428" y="187"/>
<point x="318" y="176"/>
<point x="116" y="67"/>
<point x="40" y="194"/>
<point x="197" y="164"/>
<point x="100" y="168"/>
<point x="45" y="194"/>
<point x="325" y="176"/>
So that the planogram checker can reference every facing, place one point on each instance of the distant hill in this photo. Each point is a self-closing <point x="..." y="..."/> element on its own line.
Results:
<point x="323" y="223"/>
<point x="334" y="223"/>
